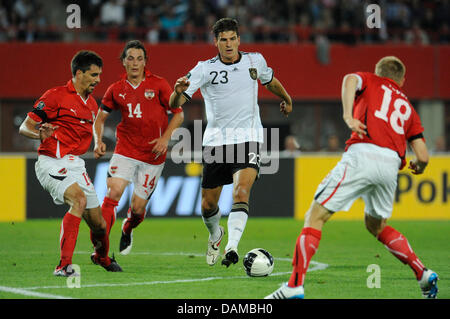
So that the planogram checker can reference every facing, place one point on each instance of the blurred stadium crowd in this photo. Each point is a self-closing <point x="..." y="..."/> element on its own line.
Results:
<point x="294" y="21"/>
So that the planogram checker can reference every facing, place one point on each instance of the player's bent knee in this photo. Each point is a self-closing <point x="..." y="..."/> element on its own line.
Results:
<point x="373" y="225"/>
<point x="317" y="215"/>
<point x="138" y="209"/>
<point x="79" y="202"/>
<point x="208" y="205"/>
<point x="210" y="213"/>
<point x="115" y="193"/>
<point x="138" y="205"/>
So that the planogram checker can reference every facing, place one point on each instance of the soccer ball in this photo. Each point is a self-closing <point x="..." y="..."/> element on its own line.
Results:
<point x="258" y="262"/>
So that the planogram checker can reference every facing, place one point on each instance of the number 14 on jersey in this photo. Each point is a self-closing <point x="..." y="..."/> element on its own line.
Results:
<point x="136" y="112"/>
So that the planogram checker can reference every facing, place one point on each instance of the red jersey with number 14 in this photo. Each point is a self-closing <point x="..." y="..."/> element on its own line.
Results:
<point x="144" y="115"/>
<point x="385" y="110"/>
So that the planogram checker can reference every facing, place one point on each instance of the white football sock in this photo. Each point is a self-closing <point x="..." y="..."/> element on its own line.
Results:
<point x="212" y="223"/>
<point x="236" y="225"/>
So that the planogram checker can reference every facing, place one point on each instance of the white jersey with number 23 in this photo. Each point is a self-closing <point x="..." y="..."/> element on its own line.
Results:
<point x="230" y="92"/>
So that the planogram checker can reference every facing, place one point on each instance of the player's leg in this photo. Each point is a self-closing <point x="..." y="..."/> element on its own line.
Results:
<point x="378" y="209"/>
<point x="399" y="246"/>
<point x="120" y="172"/>
<point x="337" y="191"/>
<point x="243" y="181"/>
<point x="145" y="181"/>
<point x="214" y="176"/>
<point x="76" y="199"/>
<point x="308" y="242"/>
<point x="60" y="178"/>
<point x="115" y="188"/>
<point x="211" y="219"/>
<point x="100" y="239"/>
<point x="305" y="247"/>
<point x="135" y="216"/>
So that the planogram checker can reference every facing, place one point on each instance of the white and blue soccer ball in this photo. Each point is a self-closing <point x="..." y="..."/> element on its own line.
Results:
<point x="258" y="262"/>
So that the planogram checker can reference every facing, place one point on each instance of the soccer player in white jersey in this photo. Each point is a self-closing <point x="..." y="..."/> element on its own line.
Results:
<point x="228" y="83"/>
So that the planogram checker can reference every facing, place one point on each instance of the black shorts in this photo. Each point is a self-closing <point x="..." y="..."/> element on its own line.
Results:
<point x="221" y="162"/>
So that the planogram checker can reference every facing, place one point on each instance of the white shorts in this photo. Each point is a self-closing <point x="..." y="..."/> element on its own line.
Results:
<point x="144" y="176"/>
<point x="367" y="171"/>
<point x="57" y="174"/>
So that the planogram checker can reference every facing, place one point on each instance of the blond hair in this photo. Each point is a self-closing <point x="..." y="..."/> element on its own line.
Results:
<point x="390" y="67"/>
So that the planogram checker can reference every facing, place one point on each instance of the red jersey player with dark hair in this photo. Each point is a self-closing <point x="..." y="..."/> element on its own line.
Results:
<point x="62" y="119"/>
<point x="382" y="120"/>
<point x="142" y="137"/>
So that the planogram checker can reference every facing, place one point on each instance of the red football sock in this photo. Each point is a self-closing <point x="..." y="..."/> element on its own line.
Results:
<point x="109" y="212"/>
<point x="305" y="248"/>
<point x="101" y="247"/>
<point x="68" y="237"/>
<point x="398" y="245"/>
<point x="133" y="220"/>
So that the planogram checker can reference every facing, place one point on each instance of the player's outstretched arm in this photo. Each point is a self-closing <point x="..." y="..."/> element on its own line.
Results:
<point x="177" y="98"/>
<point x="99" y="125"/>
<point x="420" y="149"/>
<point x="349" y="84"/>
<point x="277" y="88"/>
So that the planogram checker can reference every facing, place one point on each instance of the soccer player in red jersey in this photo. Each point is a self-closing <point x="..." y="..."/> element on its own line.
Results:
<point x="62" y="119"/>
<point x="143" y="136"/>
<point x="382" y="120"/>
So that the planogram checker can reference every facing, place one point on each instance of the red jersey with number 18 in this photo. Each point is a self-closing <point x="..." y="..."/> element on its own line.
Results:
<point x="144" y="115"/>
<point x="385" y="110"/>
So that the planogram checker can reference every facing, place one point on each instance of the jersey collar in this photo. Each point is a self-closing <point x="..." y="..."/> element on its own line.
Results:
<point x="393" y="82"/>
<point x="71" y="89"/>
<point x="70" y="86"/>
<point x="231" y="63"/>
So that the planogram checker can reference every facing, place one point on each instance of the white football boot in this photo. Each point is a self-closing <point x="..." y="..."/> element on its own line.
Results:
<point x="126" y="241"/>
<point x="286" y="292"/>
<point x="428" y="284"/>
<point x="212" y="253"/>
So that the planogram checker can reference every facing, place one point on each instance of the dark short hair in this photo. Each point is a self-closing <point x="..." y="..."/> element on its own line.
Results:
<point x="136" y="44"/>
<point x="83" y="60"/>
<point x="225" y="24"/>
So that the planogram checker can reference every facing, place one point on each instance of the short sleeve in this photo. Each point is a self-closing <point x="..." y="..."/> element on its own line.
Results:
<point x="415" y="127"/>
<point x="362" y="80"/>
<point x="196" y="80"/>
<point x="46" y="107"/>
<point x="265" y="73"/>
<point x="108" y="99"/>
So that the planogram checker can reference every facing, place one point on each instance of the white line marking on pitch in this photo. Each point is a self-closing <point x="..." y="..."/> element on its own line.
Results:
<point x="26" y="292"/>
<point x="313" y="267"/>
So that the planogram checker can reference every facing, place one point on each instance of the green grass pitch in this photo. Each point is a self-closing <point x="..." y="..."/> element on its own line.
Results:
<point x="167" y="261"/>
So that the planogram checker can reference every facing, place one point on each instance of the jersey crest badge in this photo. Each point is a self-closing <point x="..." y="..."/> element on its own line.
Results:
<point x="40" y="105"/>
<point x="253" y="73"/>
<point x="149" y="94"/>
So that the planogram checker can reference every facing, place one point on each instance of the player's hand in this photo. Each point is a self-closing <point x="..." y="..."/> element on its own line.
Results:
<point x="285" y="108"/>
<point x="181" y="85"/>
<point x="416" y="167"/>
<point x="161" y="145"/>
<point x="46" y="130"/>
<point x="99" y="150"/>
<point x="356" y="126"/>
